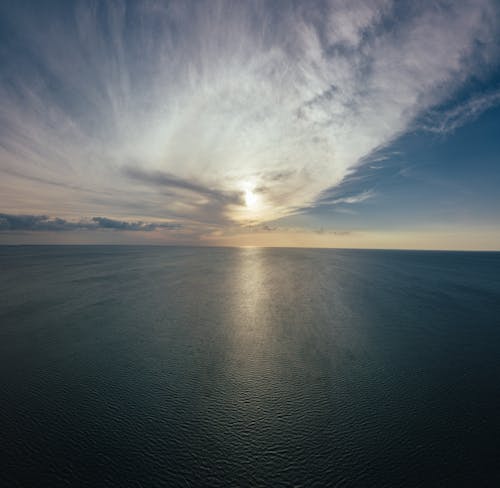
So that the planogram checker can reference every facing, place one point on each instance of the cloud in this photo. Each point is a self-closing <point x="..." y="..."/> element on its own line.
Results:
<point x="446" y="121"/>
<point x="161" y="178"/>
<point x="351" y="199"/>
<point x="10" y="222"/>
<point x="35" y="222"/>
<point x="105" y="223"/>
<point x="214" y="98"/>
<point x="322" y="230"/>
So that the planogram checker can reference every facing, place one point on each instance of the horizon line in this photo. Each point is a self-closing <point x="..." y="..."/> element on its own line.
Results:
<point x="254" y="247"/>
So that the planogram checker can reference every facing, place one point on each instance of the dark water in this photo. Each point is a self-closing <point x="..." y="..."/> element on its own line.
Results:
<point x="130" y="366"/>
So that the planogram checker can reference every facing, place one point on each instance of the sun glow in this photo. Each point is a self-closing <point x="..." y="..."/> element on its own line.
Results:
<point x="251" y="199"/>
<point x="254" y="207"/>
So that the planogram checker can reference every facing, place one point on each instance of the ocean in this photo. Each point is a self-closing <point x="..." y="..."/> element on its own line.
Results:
<point x="178" y="366"/>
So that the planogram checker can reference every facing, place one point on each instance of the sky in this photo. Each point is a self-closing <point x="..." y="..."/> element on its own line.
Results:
<point x="354" y="123"/>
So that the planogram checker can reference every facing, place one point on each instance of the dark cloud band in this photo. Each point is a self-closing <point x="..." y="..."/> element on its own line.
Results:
<point x="161" y="178"/>
<point x="10" y="222"/>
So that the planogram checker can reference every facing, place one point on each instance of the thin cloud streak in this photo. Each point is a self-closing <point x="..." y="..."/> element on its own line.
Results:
<point x="447" y="121"/>
<point x="351" y="199"/>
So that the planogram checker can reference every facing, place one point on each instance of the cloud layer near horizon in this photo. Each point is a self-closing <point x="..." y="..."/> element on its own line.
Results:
<point x="13" y="223"/>
<point x="152" y="110"/>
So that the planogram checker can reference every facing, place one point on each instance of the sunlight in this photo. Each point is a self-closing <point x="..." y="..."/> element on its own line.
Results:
<point x="254" y="207"/>
<point x="251" y="198"/>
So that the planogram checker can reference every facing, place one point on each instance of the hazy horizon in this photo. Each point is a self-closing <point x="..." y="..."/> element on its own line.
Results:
<point x="248" y="246"/>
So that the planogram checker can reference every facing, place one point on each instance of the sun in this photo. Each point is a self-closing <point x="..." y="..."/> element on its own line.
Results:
<point x="251" y="198"/>
<point x="253" y="201"/>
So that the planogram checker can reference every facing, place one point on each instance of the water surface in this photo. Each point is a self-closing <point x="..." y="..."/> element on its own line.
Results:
<point x="148" y="366"/>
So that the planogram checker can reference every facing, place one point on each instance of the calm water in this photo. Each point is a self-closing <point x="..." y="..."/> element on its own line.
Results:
<point x="137" y="366"/>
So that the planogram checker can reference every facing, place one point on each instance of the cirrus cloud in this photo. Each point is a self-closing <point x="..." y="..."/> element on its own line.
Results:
<point x="212" y="99"/>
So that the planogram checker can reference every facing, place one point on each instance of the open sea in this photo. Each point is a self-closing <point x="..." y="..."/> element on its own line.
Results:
<point x="165" y="366"/>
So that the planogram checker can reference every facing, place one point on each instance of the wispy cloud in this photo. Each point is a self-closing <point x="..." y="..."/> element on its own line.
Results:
<point x="351" y="199"/>
<point x="322" y="231"/>
<point x="214" y="98"/>
<point x="446" y="121"/>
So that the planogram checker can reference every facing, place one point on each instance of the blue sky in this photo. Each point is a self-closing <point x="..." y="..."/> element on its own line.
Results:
<point x="424" y="179"/>
<point x="320" y="123"/>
